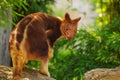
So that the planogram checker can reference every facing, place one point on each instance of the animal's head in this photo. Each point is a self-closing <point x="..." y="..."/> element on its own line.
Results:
<point x="69" y="27"/>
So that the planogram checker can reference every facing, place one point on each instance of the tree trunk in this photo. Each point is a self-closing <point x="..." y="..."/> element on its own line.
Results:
<point x="5" y="30"/>
<point x="4" y="53"/>
<point x="27" y="74"/>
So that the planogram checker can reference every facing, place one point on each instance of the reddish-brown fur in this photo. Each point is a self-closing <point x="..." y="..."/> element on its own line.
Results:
<point x="33" y="39"/>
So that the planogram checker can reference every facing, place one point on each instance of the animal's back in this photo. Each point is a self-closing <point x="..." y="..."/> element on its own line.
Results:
<point x="30" y="35"/>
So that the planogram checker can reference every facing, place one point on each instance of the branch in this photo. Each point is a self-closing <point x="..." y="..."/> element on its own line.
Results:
<point x="28" y="74"/>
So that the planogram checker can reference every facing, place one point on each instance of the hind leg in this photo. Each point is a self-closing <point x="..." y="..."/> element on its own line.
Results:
<point x="44" y="67"/>
<point x="44" y="61"/>
<point x="18" y="63"/>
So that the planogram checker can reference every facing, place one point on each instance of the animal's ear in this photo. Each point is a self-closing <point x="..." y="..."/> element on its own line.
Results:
<point x="76" y="20"/>
<point x="67" y="17"/>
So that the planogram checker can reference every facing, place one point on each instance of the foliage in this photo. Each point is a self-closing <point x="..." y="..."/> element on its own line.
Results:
<point x="92" y="47"/>
<point x="17" y="9"/>
<point x="107" y="10"/>
<point x="40" y="5"/>
<point x="34" y="6"/>
<point x="6" y="12"/>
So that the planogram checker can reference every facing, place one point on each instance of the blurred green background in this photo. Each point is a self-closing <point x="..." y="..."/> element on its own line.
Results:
<point x="96" y="45"/>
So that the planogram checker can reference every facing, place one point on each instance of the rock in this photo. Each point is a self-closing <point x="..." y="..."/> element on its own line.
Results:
<point x="27" y="74"/>
<point x="103" y="74"/>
